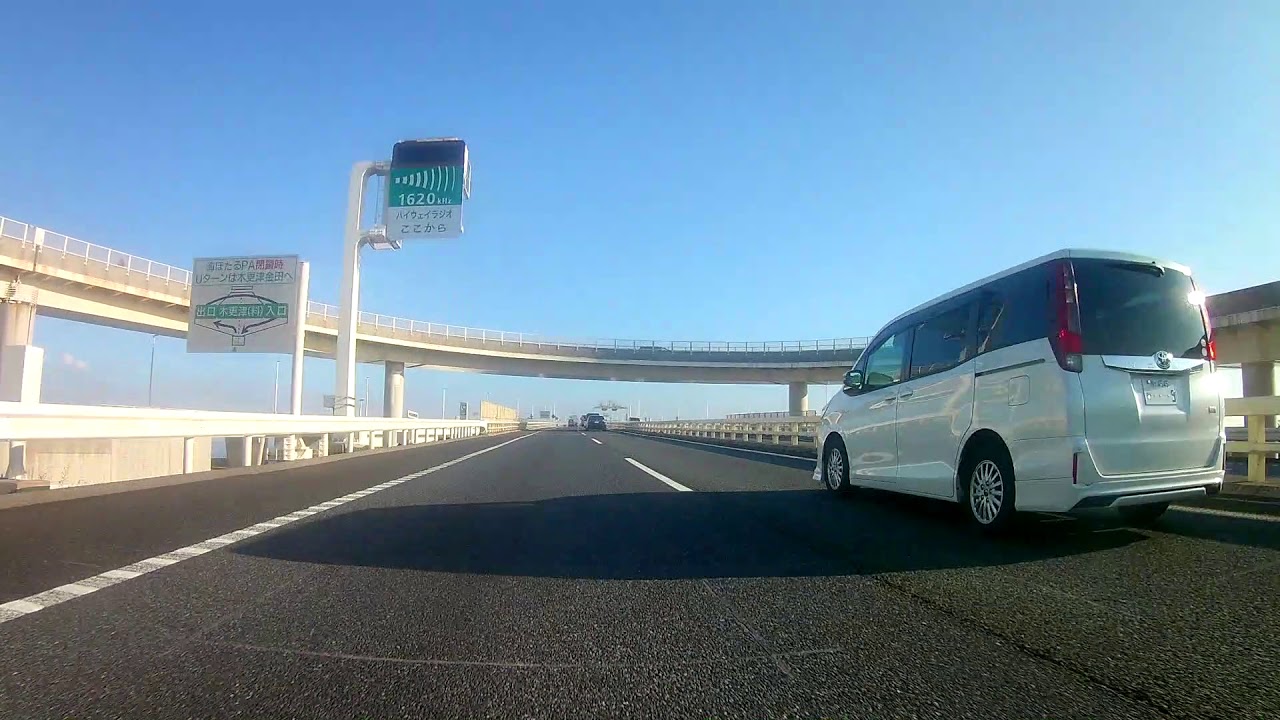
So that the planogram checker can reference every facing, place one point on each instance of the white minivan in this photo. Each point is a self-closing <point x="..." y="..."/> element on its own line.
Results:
<point x="1082" y="379"/>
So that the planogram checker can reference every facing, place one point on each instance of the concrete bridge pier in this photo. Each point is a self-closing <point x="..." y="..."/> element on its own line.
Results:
<point x="393" y="389"/>
<point x="797" y="398"/>
<point x="1260" y="379"/>
<point x="21" y="364"/>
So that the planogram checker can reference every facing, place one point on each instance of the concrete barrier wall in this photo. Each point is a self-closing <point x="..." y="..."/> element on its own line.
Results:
<point x="71" y="463"/>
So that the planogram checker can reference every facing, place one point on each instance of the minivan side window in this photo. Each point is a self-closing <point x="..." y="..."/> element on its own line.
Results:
<point x="942" y="342"/>
<point x="1014" y="310"/>
<point x="884" y="364"/>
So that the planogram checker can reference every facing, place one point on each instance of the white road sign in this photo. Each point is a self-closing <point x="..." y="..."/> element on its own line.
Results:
<point x="244" y="304"/>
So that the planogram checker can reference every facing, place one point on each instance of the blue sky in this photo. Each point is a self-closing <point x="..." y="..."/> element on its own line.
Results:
<point x="668" y="170"/>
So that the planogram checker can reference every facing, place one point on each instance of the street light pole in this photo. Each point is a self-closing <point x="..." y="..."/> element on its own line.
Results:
<point x="444" y="402"/>
<point x="275" y="390"/>
<point x="151" y="375"/>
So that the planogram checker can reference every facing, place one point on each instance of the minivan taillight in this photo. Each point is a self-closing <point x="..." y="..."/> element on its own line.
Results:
<point x="1068" y="344"/>
<point x="1209" y="347"/>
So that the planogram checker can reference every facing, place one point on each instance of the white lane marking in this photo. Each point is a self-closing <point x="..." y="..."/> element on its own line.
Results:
<point x="197" y="549"/>
<point x="33" y="603"/>
<point x="660" y="476"/>
<point x="1226" y="513"/>
<point x="189" y="550"/>
<point x="22" y="606"/>
<point x="161" y="561"/>
<point x="596" y="441"/>
<point x="723" y="447"/>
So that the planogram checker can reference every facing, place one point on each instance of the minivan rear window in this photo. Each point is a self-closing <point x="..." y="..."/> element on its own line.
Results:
<point x="1131" y="308"/>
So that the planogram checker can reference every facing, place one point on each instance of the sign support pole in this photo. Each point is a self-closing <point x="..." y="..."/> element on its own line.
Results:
<point x="349" y="301"/>
<point x="299" y="340"/>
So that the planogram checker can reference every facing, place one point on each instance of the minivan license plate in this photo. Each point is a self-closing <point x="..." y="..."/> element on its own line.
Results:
<point x="1158" y="391"/>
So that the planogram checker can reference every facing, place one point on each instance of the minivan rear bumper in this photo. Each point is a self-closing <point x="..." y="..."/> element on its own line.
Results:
<point x="1090" y="490"/>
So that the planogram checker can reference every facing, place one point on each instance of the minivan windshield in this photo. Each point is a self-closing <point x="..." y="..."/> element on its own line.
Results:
<point x="1130" y="308"/>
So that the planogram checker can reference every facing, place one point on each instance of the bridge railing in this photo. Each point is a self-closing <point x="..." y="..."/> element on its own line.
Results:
<point x="48" y="243"/>
<point x="329" y="314"/>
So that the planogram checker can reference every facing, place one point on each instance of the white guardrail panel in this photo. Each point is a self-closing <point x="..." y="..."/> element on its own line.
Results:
<point x="23" y="421"/>
<point x="789" y="431"/>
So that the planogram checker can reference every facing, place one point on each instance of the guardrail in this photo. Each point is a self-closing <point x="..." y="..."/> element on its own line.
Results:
<point x="1257" y="445"/>
<point x="769" y="415"/>
<point x="797" y="433"/>
<point x="21" y="422"/>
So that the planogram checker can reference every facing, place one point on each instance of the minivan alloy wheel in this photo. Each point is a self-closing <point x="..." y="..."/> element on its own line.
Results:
<point x="835" y="469"/>
<point x="986" y="492"/>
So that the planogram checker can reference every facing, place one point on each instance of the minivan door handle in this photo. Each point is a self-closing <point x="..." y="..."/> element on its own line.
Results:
<point x="906" y="394"/>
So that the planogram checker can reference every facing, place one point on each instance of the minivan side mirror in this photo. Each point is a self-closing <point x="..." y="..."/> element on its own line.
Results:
<point x="853" y="380"/>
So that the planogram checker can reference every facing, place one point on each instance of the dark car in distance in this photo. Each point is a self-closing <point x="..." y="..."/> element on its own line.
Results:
<point x="594" y="421"/>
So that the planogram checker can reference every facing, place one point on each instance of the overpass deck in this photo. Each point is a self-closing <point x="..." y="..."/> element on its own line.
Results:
<point x="89" y="283"/>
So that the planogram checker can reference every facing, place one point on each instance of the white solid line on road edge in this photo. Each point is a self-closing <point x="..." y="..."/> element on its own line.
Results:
<point x="596" y="441"/>
<point x="1225" y="513"/>
<point x="723" y="447"/>
<point x="35" y="603"/>
<point x="660" y="476"/>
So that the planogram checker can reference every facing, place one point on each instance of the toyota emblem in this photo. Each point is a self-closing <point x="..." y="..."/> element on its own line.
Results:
<point x="1164" y="359"/>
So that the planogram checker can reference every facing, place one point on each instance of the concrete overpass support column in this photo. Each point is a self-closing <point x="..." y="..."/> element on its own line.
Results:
<point x="393" y="390"/>
<point x="188" y="455"/>
<point x="1260" y="380"/>
<point x="798" y="398"/>
<point x="240" y="452"/>
<point x="21" y="365"/>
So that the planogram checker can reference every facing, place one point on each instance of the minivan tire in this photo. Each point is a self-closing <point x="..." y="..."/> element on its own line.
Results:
<point x="1141" y="515"/>
<point x="987" y="487"/>
<point x="835" y="461"/>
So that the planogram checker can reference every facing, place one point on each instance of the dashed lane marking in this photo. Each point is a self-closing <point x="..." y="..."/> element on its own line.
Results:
<point x="660" y="476"/>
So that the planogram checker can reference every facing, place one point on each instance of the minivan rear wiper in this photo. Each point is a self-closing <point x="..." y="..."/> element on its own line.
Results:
<point x="1151" y="268"/>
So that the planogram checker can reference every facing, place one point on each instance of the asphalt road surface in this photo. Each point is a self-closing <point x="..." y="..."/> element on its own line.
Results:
<point x="558" y="575"/>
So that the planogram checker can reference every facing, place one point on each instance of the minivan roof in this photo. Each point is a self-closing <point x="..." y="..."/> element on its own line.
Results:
<point x="1064" y="253"/>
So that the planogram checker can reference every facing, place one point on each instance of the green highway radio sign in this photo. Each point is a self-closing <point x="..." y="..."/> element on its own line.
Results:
<point x="428" y="182"/>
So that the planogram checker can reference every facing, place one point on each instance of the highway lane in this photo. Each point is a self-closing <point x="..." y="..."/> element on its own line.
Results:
<point x="45" y="545"/>
<point x="553" y="577"/>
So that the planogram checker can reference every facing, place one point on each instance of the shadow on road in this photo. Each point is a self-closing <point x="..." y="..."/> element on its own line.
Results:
<point x="676" y="535"/>
<point x="1234" y="530"/>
